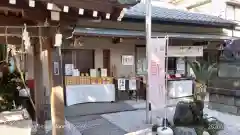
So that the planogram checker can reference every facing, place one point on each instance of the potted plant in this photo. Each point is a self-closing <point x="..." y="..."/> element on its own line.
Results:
<point x="203" y="72"/>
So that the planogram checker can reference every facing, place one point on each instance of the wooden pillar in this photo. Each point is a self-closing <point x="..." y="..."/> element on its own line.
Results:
<point x="46" y="80"/>
<point x="57" y="96"/>
<point x="38" y="84"/>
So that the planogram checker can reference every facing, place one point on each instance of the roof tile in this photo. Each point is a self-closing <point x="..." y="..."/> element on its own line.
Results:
<point x="176" y="15"/>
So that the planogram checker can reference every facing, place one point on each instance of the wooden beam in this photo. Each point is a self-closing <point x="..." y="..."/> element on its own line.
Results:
<point x="116" y="13"/>
<point x="11" y="20"/>
<point x="10" y="40"/>
<point x="98" y="5"/>
<point x="38" y="13"/>
<point x="16" y="31"/>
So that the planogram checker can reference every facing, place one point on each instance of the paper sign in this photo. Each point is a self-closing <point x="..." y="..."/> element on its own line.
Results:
<point x="180" y="66"/>
<point x="56" y="68"/>
<point x="127" y="60"/>
<point x="132" y="84"/>
<point x="121" y="84"/>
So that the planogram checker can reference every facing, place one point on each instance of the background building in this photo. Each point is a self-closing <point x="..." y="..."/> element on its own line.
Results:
<point x="227" y="9"/>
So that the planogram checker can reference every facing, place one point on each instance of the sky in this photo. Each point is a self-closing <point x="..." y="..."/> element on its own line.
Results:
<point x="164" y="3"/>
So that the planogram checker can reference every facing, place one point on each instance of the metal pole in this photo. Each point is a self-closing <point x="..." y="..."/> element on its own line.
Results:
<point x="148" y="29"/>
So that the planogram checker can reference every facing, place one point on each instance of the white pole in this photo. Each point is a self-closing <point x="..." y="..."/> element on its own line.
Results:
<point x="148" y="29"/>
<point x="166" y="81"/>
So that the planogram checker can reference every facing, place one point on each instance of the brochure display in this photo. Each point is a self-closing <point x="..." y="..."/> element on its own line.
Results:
<point x="82" y="88"/>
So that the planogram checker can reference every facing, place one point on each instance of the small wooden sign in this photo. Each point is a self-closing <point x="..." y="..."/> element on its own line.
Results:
<point x="56" y="68"/>
<point x="128" y="60"/>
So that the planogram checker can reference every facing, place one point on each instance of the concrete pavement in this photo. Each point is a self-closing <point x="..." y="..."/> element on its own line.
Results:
<point x="22" y="127"/>
<point x="117" y="123"/>
<point x="121" y="119"/>
<point x="134" y="121"/>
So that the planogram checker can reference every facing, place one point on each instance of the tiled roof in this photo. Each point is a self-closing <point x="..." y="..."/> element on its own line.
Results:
<point x="162" y="14"/>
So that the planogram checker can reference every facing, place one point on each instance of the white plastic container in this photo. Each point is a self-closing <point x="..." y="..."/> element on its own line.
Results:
<point x="164" y="131"/>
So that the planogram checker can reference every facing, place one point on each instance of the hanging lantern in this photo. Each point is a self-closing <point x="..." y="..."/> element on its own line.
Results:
<point x="58" y="40"/>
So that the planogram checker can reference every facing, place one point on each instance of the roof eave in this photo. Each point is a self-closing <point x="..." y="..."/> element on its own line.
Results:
<point x="234" y="3"/>
<point x="179" y="22"/>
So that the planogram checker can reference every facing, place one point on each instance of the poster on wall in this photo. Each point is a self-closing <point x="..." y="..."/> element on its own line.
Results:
<point x="180" y="66"/>
<point x="156" y="72"/>
<point x="56" y="68"/>
<point x="69" y="69"/>
<point x="121" y="84"/>
<point x="127" y="60"/>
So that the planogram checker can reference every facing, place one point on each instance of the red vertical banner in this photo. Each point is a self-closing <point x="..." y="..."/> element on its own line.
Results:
<point x="156" y="72"/>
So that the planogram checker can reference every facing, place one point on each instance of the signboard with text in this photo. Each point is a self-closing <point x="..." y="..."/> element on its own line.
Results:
<point x="185" y="51"/>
